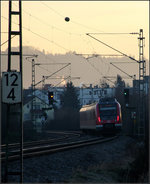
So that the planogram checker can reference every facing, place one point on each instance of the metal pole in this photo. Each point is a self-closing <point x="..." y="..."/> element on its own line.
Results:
<point x="7" y="142"/>
<point x="142" y="72"/>
<point x="21" y="104"/>
<point x="9" y="42"/>
<point x="10" y="105"/>
<point x="33" y="93"/>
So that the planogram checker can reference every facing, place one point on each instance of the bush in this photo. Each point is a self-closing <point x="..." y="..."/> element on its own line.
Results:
<point x="64" y="120"/>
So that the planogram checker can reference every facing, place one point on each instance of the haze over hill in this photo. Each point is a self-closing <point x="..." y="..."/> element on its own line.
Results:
<point x="90" y="71"/>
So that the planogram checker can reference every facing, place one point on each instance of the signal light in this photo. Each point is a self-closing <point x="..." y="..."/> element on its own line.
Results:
<point x="126" y="95"/>
<point x="50" y="97"/>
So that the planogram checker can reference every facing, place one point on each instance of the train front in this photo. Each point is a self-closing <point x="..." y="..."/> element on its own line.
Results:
<point x="109" y="115"/>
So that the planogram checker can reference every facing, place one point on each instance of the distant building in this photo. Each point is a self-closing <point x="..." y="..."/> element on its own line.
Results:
<point x="41" y="109"/>
<point x="86" y="95"/>
<point x="136" y="85"/>
<point x="90" y="95"/>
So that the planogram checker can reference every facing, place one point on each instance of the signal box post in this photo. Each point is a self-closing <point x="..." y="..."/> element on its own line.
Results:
<point x="126" y="96"/>
<point x="51" y="97"/>
<point x="12" y="95"/>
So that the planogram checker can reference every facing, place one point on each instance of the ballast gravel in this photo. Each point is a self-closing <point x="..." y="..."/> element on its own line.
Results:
<point x="64" y="166"/>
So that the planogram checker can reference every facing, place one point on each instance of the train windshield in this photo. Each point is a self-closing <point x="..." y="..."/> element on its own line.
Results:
<point x="108" y="111"/>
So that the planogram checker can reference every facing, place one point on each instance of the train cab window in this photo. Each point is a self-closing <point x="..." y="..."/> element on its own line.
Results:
<point x="108" y="110"/>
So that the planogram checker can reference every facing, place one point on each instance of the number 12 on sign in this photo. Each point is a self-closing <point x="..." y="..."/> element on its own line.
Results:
<point x="11" y="87"/>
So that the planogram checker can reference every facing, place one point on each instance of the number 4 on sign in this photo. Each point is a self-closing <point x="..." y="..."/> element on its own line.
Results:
<point x="11" y="94"/>
<point x="11" y="87"/>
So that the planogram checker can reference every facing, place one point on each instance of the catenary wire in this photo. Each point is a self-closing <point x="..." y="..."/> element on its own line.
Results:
<point x="7" y="40"/>
<point x="40" y="36"/>
<point x="112" y="48"/>
<point x="52" y="9"/>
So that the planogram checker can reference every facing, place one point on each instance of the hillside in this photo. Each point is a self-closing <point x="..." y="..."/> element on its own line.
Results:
<point x="90" y="71"/>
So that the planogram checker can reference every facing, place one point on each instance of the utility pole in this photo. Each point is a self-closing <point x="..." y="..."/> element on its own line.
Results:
<point x="33" y="90"/>
<point x="12" y="87"/>
<point x="33" y="94"/>
<point x="142" y="73"/>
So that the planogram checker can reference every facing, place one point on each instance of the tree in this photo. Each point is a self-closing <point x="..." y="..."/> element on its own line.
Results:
<point x="69" y="98"/>
<point x="68" y="115"/>
<point x="119" y="89"/>
<point x="120" y="85"/>
<point x="119" y="82"/>
<point x="104" y="84"/>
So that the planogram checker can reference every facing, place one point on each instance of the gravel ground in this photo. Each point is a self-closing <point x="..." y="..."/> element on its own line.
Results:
<point x="77" y="165"/>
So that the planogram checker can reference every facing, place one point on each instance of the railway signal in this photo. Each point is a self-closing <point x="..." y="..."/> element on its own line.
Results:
<point x="50" y="97"/>
<point x="126" y="95"/>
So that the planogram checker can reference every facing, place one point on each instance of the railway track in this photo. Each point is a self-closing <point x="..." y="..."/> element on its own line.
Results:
<point x="64" y="136"/>
<point x="49" y="149"/>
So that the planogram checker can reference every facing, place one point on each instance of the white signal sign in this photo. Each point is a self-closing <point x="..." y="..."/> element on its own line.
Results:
<point x="11" y="87"/>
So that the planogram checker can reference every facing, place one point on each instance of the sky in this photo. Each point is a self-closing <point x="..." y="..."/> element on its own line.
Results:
<point x="44" y="26"/>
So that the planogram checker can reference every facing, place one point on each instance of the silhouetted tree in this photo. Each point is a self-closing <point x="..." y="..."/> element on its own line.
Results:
<point x="68" y="115"/>
<point x="104" y="84"/>
<point x="119" y="93"/>
<point x="119" y="85"/>
<point x="119" y="82"/>
<point x="69" y="98"/>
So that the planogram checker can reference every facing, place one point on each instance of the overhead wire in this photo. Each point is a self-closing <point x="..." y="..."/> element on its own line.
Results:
<point x="40" y="36"/>
<point x="101" y="59"/>
<point x="47" y="24"/>
<point x="38" y="65"/>
<point x="43" y="63"/>
<point x="88" y="34"/>
<point x="7" y="40"/>
<point x="41" y="21"/>
<point x="105" y="63"/>
<point x="61" y="15"/>
<point x="43" y="38"/>
<point x="93" y="66"/>
<point x="54" y="27"/>
<point x="114" y="33"/>
<point x="52" y="74"/>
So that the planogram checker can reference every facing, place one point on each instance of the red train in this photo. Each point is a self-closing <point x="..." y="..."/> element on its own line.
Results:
<point x="105" y="115"/>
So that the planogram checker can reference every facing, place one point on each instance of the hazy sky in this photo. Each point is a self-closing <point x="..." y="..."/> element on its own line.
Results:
<point x="44" y="26"/>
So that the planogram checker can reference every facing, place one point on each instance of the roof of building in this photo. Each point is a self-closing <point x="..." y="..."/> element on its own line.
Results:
<point x="29" y="98"/>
